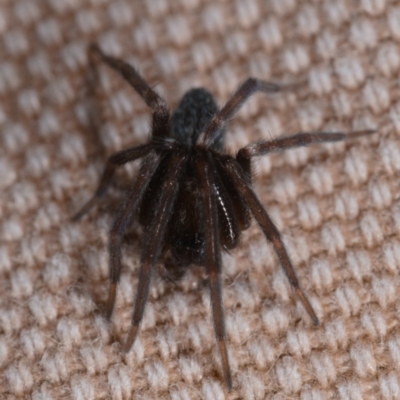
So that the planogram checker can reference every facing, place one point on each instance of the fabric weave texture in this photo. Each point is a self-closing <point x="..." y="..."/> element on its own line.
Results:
<point x="337" y="205"/>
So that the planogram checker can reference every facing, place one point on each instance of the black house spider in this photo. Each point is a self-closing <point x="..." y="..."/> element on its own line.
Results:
<point x="190" y="197"/>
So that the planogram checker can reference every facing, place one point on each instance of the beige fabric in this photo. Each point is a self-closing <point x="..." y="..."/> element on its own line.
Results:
<point x="336" y="205"/>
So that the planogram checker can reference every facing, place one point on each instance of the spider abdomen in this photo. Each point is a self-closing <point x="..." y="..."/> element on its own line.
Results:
<point x="194" y="112"/>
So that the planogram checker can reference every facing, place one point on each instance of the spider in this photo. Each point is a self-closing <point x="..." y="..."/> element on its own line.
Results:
<point x="191" y="198"/>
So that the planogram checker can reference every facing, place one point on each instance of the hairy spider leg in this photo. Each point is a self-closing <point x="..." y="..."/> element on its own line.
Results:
<point x="249" y="87"/>
<point x="296" y="140"/>
<point x="156" y="103"/>
<point x="152" y="99"/>
<point x="213" y="255"/>
<point x="270" y="231"/>
<point x="114" y="161"/>
<point x="153" y="239"/>
<point x="241" y="210"/>
<point x="228" y="217"/>
<point x="124" y="216"/>
<point x="261" y="148"/>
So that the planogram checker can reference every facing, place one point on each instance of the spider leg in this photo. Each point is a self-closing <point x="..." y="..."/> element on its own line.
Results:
<point x="297" y="140"/>
<point x="213" y="258"/>
<point x="114" y="161"/>
<point x="165" y="274"/>
<point x="270" y="231"/>
<point x="249" y="87"/>
<point x="153" y="240"/>
<point x="122" y="220"/>
<point x="152" y="99"/>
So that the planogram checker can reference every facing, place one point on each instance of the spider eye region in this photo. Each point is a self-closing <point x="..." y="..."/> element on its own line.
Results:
<point x="194" y="112"/>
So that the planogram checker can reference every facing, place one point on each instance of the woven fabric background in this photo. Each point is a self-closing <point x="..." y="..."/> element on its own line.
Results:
<point x="336" y="205"/>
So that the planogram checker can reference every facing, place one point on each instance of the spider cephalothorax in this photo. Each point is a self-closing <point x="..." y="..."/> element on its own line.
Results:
<point x="191" y="198"/>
